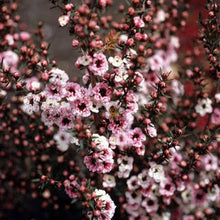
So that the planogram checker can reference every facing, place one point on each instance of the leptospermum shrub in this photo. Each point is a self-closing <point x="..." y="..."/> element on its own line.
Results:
<point x="136" y="136"/>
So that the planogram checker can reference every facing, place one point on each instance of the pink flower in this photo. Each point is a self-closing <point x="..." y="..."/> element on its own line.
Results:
<point x="125" y="165"/>
<point x="119" y="139"/>
<point x="199" y="196"/>
<point x="131" y="101"/>
<point x="167" y="188"/>
<point x="25" y="36"/>
<point x="65" y="120"/>
<point x="75" y="43"/>
<point x="136" y="137"/>
<point x="70" y="188"/>
<point x="72" y="91"/>
<point x="143" y="179"/>
<point x="132" y="183"/>
<point x="101" y="92"/>
<point x="103" y="3"/>
<point x="119" y="124"/>
<point x="50" y="111"/>
<point x="100" y="160"/>
<point x="107" y="205"/>
<point x="140" y="150"/>
<point x="175" y="160"/>
<point x="133" y="197"/>
<point x="138" y="22"/>
<point x="55" y="91"/>
<point x="31" y="103"/>
<point x="150" y="204"/>
<point x="138" y="36"/>
<point x="62" y="139"/>
<point x="188" y="217"/>
<point x="133" y="210"/>
<point x="58" y="77"/>
<point x="210" y="162"/>
<point x="99" y="64"/>
<point x="82" y="106"/>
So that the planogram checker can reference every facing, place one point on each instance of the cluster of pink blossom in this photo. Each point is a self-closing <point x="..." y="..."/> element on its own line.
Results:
<point x="102" y="204"/>
<point x="145" y="190"/>
<point x="100" y="157"/>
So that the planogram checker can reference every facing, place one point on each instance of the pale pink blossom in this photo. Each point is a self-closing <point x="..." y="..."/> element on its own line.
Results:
<point x="133" y="197"/>
<point x="167" y="188"/>
<point x="132" y="183"/>
<point x="136" y="137"/>
<point x="99" y="65"/>
<point x="150" y="204"/>
<point x="101" y="92"/>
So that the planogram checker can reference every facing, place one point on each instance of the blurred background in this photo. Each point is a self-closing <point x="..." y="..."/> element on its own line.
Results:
<point x="39" y="10"/>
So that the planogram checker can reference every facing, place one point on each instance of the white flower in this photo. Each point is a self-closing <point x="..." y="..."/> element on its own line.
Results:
<point x="31" y="103"/>
<point x="85" y="60"/>
<point x="50" y="104"/>
<point x="156" y="172"/>
<point x="123" y="38"/>
<point x="133" y="197"/>
<point x="100" y="140"/>
<point x="186" y="195"/>
<point x="109" y="181"/>
<point x="62" y="139"/>
<point x="58" y="77"/>
<point x="125" y="166"/>
<point x="174" y="41"/>
<point x="121" y="75"/>
<point x="10" y="39"/>
<point x="35" y="85"/>
<point x="102" y="195"/>
<point x="95" y="107"/>
<point x="115" y="61"/>
<point x="204" y="106"/>
<point x="63" y="20"/>
<point x="177" y="87"/>
<point x="2" y="92"/>
<point x="160" y="16"/>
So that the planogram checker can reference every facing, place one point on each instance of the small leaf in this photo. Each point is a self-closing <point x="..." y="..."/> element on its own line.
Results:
<point x="74" y="201"/>
<point x="35" y="180"/>
<point x="81" y="144"/>
<point x="91" y="204"/>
